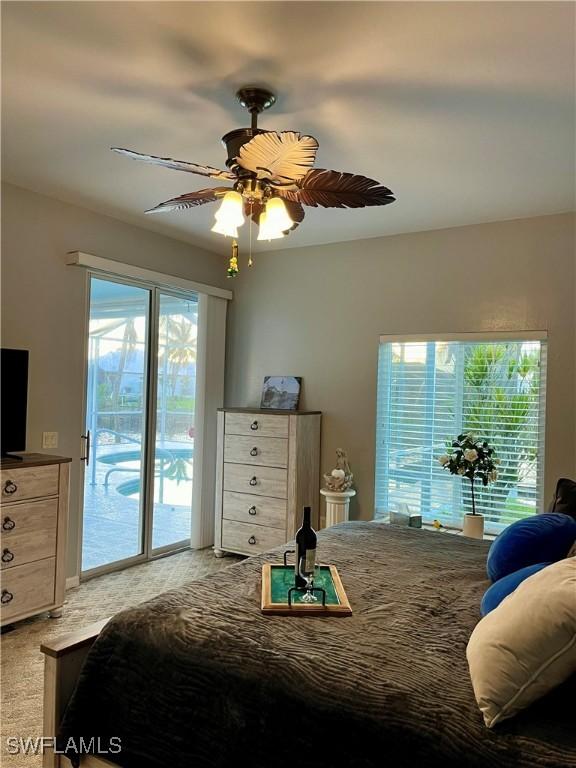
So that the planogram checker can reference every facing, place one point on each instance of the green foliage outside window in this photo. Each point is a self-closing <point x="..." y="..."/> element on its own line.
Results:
<point x="501" y="404"/>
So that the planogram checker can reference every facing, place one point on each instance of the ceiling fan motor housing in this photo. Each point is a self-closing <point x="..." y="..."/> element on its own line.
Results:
<point x="255" y="99"/>
<point x="234" y="140"/>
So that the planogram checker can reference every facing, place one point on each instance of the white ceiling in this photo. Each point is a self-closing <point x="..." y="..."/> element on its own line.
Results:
<point x="465" y="110"/>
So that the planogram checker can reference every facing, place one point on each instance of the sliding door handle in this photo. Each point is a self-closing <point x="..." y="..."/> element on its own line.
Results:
<point x="86" y="457"/>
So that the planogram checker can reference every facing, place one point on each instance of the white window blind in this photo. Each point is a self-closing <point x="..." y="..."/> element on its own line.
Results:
<point x="430" y="391"/>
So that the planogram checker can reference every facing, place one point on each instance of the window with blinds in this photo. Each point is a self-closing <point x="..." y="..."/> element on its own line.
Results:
<point x="430" y="391"/>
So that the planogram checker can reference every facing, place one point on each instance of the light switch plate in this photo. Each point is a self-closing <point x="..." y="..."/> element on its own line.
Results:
<point x="49" y="439"/>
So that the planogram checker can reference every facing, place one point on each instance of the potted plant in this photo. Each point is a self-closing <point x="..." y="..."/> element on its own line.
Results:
<point x="472" y="458"/>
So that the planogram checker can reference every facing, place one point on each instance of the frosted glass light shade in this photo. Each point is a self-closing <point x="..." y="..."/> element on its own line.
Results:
<point x="277" y="215"/>
<point x="268" y="231"/>
<point x="225" y="228"/>
<point x="230" y="215"/>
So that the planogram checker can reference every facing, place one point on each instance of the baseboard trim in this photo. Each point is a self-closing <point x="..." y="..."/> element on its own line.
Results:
<point x="72" y="581"/>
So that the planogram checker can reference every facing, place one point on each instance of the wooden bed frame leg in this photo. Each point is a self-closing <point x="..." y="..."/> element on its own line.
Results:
<point x="63" y="660"/>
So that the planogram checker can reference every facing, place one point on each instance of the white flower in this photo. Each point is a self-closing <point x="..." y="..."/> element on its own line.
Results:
<point x="470" y="454"/>
<point x="461" y="471"/>
<point x="444" y="460"/>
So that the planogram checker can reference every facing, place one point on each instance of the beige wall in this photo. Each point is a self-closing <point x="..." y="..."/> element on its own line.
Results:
<point x="43" y="305"/>
<point x="318" y="312"/>
<point x="315" y="312"/>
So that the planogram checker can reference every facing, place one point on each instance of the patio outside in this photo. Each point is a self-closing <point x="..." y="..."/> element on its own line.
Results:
<point x="117" y="420"/>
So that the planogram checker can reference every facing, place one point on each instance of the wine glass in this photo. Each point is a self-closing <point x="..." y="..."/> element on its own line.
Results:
<point x="309" y="596"/>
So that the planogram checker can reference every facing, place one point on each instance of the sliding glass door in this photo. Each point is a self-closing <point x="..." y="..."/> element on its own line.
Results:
<point x="118" y="352"/>
<point x="175" y="401"/>
<point x="140" y="402"/>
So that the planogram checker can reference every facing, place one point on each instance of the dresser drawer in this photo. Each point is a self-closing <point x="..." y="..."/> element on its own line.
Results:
<point x="260" y="451"/>
<point x="258" y="510"/>
<point x="262" y="481"/>
<point x="250" y="539"/>
<point x="256" y="424"/>
<point x="28" y="532"/>
<point x="27" y="588"/>
<point x="29" y="482"/>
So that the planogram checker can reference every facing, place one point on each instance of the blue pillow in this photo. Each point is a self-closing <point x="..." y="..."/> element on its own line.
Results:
<point x="505" y="586"/>
<point x="536" y="539"/>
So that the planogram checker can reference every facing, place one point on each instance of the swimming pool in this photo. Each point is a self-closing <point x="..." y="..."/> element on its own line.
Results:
<point x="166" y="464"/>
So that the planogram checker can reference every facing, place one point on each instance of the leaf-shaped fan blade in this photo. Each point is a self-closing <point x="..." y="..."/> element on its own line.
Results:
<point x="190" y="200"/>
<point x="336" y="189"/>
<point x="282" y="156"/>
<point x="177" y="165"/>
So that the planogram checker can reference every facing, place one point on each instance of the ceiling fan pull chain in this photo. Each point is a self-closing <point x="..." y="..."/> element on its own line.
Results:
<point x="250" y="261"/>
<point x="233" y="266"/>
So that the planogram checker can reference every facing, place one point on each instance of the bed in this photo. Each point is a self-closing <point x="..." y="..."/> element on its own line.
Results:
<point x="199" y="677"/>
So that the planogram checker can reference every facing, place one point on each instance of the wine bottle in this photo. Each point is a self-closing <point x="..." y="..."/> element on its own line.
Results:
<point x="305" y="550"/>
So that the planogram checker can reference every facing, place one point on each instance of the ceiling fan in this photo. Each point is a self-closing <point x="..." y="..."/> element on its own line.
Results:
<point x="273" y="177"/>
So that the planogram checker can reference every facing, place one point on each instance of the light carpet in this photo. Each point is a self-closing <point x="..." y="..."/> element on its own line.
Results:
<point x="22" y="664"/>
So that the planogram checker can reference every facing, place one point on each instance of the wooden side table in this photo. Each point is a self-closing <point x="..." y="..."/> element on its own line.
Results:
<point x="337" y="505"/>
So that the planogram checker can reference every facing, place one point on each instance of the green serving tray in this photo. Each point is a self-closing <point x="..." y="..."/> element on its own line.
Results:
<point x="277" y="579"/>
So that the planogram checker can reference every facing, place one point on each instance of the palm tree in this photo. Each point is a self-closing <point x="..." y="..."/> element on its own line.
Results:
<point x="182" y="346"/>
<point x="129" y="342"/>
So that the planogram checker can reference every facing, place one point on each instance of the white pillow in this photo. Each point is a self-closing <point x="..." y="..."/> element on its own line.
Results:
<point x="527" y="645"/>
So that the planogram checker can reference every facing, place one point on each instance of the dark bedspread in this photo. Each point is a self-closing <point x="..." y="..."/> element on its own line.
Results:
<point x="198" y="677"/>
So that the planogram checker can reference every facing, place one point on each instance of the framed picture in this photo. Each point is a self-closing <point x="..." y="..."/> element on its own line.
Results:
<point x="281" y="392"/>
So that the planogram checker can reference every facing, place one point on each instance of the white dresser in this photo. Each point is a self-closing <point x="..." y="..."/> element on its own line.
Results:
<point x="33" y="527"/>
<point x="268" y="469"/>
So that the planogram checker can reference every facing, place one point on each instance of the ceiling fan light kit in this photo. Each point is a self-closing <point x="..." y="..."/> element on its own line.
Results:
<point x="277" y="215"/>
<point x="226" y="229"/>
<point x="273" y="177"/>
<point x="230" y="215"/>
<point x="267" y="230"/>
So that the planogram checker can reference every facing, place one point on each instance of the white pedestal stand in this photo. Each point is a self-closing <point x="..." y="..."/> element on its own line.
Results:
<point x="337" y="506"/>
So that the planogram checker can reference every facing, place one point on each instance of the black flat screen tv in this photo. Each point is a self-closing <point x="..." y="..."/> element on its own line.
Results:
<point x="14" y="397"/>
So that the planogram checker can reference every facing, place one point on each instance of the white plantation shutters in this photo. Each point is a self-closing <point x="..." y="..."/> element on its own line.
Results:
<point x="430" y="391"/>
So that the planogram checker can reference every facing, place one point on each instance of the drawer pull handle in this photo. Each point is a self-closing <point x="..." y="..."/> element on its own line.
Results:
<point x="254" y="452"/>
<point x="252" y="511"/>
<point x="253" y="481"/>
<point x="6" y="597"/>
<point x="254" y="425"/>
<point x="7" y="556"/>
<point x="8" y="524"/>
<point x="252" y="540"/>
<point x="10" y="487"/>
